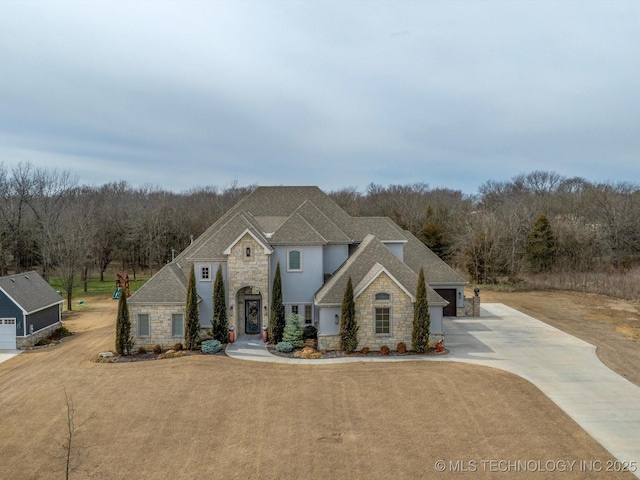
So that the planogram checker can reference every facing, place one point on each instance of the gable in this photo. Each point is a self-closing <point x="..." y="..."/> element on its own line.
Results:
<point x="169" y="285"/>
<point x="374" y="277"/>
<point x="248" y="232"/>
<point x="297" y="231"/>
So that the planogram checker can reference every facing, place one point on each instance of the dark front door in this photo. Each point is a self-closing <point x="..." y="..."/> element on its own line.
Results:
<point x="449" y="294"/>
<point x="252" y="316"/>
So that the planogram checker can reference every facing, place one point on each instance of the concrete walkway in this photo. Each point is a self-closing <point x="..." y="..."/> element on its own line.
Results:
<point x="563" y="367"/>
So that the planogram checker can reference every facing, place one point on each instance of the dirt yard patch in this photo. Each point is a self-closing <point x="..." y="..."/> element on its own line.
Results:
<point x="215" y="417"/>
<point x="610" y="324"/>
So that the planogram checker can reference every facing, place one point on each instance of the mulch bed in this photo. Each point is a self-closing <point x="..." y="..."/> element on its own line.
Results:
<point x="149" y="356"/>
<point x="340" y="354"/>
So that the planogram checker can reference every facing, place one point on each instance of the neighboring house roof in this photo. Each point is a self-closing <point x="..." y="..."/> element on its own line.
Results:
<point x="360" y="267"/>
<point x="30" y="291"/>
<point x="169" y="285"/>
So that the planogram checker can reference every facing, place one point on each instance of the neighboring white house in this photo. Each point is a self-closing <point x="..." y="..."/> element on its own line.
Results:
<point x="318" y="246"/>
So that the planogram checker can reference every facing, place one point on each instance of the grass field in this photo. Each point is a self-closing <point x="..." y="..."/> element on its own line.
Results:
<point x="97" y="288"/>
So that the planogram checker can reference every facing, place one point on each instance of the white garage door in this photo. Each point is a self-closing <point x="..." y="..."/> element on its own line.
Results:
<point x="7" y="333"/>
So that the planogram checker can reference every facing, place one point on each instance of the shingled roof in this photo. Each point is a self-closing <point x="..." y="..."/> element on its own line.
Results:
<point x="30" y="291"/>
<point x="371" y="252"/>
<point x="169" y="285"/>
<point x="298" y="216"/>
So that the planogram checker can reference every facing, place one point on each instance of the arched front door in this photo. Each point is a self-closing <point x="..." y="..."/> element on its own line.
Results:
<point x="252" y="319"/>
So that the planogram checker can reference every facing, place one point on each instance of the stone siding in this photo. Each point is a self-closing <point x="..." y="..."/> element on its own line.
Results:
<point x="401" y="315"/>
<point x="243" y="271"/>
<point x="472" y="306"/>
<point x="159" y="323"/>
<point x="30" y="340"/>
<point x="328" y="342"/>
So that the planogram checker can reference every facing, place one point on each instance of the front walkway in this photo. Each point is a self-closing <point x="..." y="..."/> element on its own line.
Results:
<point x="563" y="367"/>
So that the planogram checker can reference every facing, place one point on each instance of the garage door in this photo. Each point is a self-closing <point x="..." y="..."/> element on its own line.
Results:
<point x="449" y="294"/>
<point x="7" y="333"/>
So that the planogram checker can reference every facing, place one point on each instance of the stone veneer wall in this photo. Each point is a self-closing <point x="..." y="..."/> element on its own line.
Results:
<point x="243" y="271"/>
<point x="35" y="337"/>
<point x="401" y="324"/>
<point x="159" y="322"/>
<point x="472" y="306"/>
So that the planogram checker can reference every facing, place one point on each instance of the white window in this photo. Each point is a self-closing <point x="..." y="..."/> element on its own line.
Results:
<point x="8" y="321"/>
<point x="294" y="309"/>
<point x="294" y="261"/>
<point x="382" y="321"/>
<point x="177" y="325"/>
<point x="205" y="273"/>
<point x="308" y="314"/>
<point x="144" y="329"/>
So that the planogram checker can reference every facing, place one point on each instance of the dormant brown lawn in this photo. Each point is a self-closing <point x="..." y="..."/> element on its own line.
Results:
<point x="208" y="417"/>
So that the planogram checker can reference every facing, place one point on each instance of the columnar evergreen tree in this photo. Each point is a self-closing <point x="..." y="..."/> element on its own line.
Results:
<point x="276" y="319"/>
<point x="348" y="325"/>
<point x="541" y="245"/>
<point x="124" y="341"/>
<point x="421" y="317"/>
<point x="192" y="326"/>
<point x="219" y="325"/>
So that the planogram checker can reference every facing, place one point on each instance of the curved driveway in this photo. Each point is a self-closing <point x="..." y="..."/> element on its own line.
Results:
<point x="563" y="367"/>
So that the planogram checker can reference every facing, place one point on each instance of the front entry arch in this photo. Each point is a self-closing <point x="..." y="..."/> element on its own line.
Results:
<point x="250" y="311"/>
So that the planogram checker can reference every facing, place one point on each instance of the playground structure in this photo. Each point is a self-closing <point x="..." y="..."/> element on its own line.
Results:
<point x="122" y="284"/>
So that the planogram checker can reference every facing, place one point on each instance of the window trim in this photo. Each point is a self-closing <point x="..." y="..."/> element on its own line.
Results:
<point x="389" y="309"/>
<point x="387" y="299"/>
<point x="308" y="321"/>
<point x="181" y="332"/>
<point x="289" y="252"/>
<point x="148" y="325"/>
<point x="208" y="277"/>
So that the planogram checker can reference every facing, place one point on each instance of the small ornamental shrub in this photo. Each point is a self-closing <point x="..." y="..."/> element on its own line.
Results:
<point x="292" y="331"/>
<point x="364" y="350"/>
<point x="59" y="333"/>
<point x="309" y="332"/>
<point x="284" y="347"/>
<point x="157" y="349"/>
<point x="384" y="350"/>
<point x="401" y="347"/>
<point x="141" y="350"/>
<point x="211" y="346"/>
<point x="178" y="347"/>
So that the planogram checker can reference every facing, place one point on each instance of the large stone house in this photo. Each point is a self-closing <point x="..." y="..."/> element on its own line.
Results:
<point x="318" y="246"/>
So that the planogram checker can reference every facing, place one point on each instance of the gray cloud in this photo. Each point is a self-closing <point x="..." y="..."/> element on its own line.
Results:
<point x="181" y="94"/>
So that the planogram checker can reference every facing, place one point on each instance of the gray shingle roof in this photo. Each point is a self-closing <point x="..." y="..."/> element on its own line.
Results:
<point x="169" y="285"/>
<point x="359" y="265"/>
<point x="436" y="271"/>
<point x="297" y="231"/>
<point x="30" y="291"/>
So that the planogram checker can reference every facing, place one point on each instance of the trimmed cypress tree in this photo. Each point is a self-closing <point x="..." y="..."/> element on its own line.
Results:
<point x="541" y="246"/>
<point x="348" y="325"/>
<point x="124" y="342"/>
<point x="421" y="317"/>
<point x="219" y="325"/>
<point x="276" y="319"/>
<point x="192" y="326"/>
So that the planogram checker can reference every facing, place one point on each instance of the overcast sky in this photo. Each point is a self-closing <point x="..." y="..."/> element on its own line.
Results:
<point x="335" y="94"/>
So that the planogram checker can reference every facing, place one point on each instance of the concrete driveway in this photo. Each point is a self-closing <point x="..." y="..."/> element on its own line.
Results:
<point x="7" y="354"/>
<point x="562" y="366"/>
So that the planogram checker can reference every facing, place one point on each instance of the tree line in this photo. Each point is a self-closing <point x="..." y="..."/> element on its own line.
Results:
<point x="537" y="222"/>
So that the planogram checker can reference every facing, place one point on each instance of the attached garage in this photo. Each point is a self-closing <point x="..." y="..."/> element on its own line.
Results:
<point x="7" y="333"/>
<point x="449" y="294"/>
<point x="29" y="310"/>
